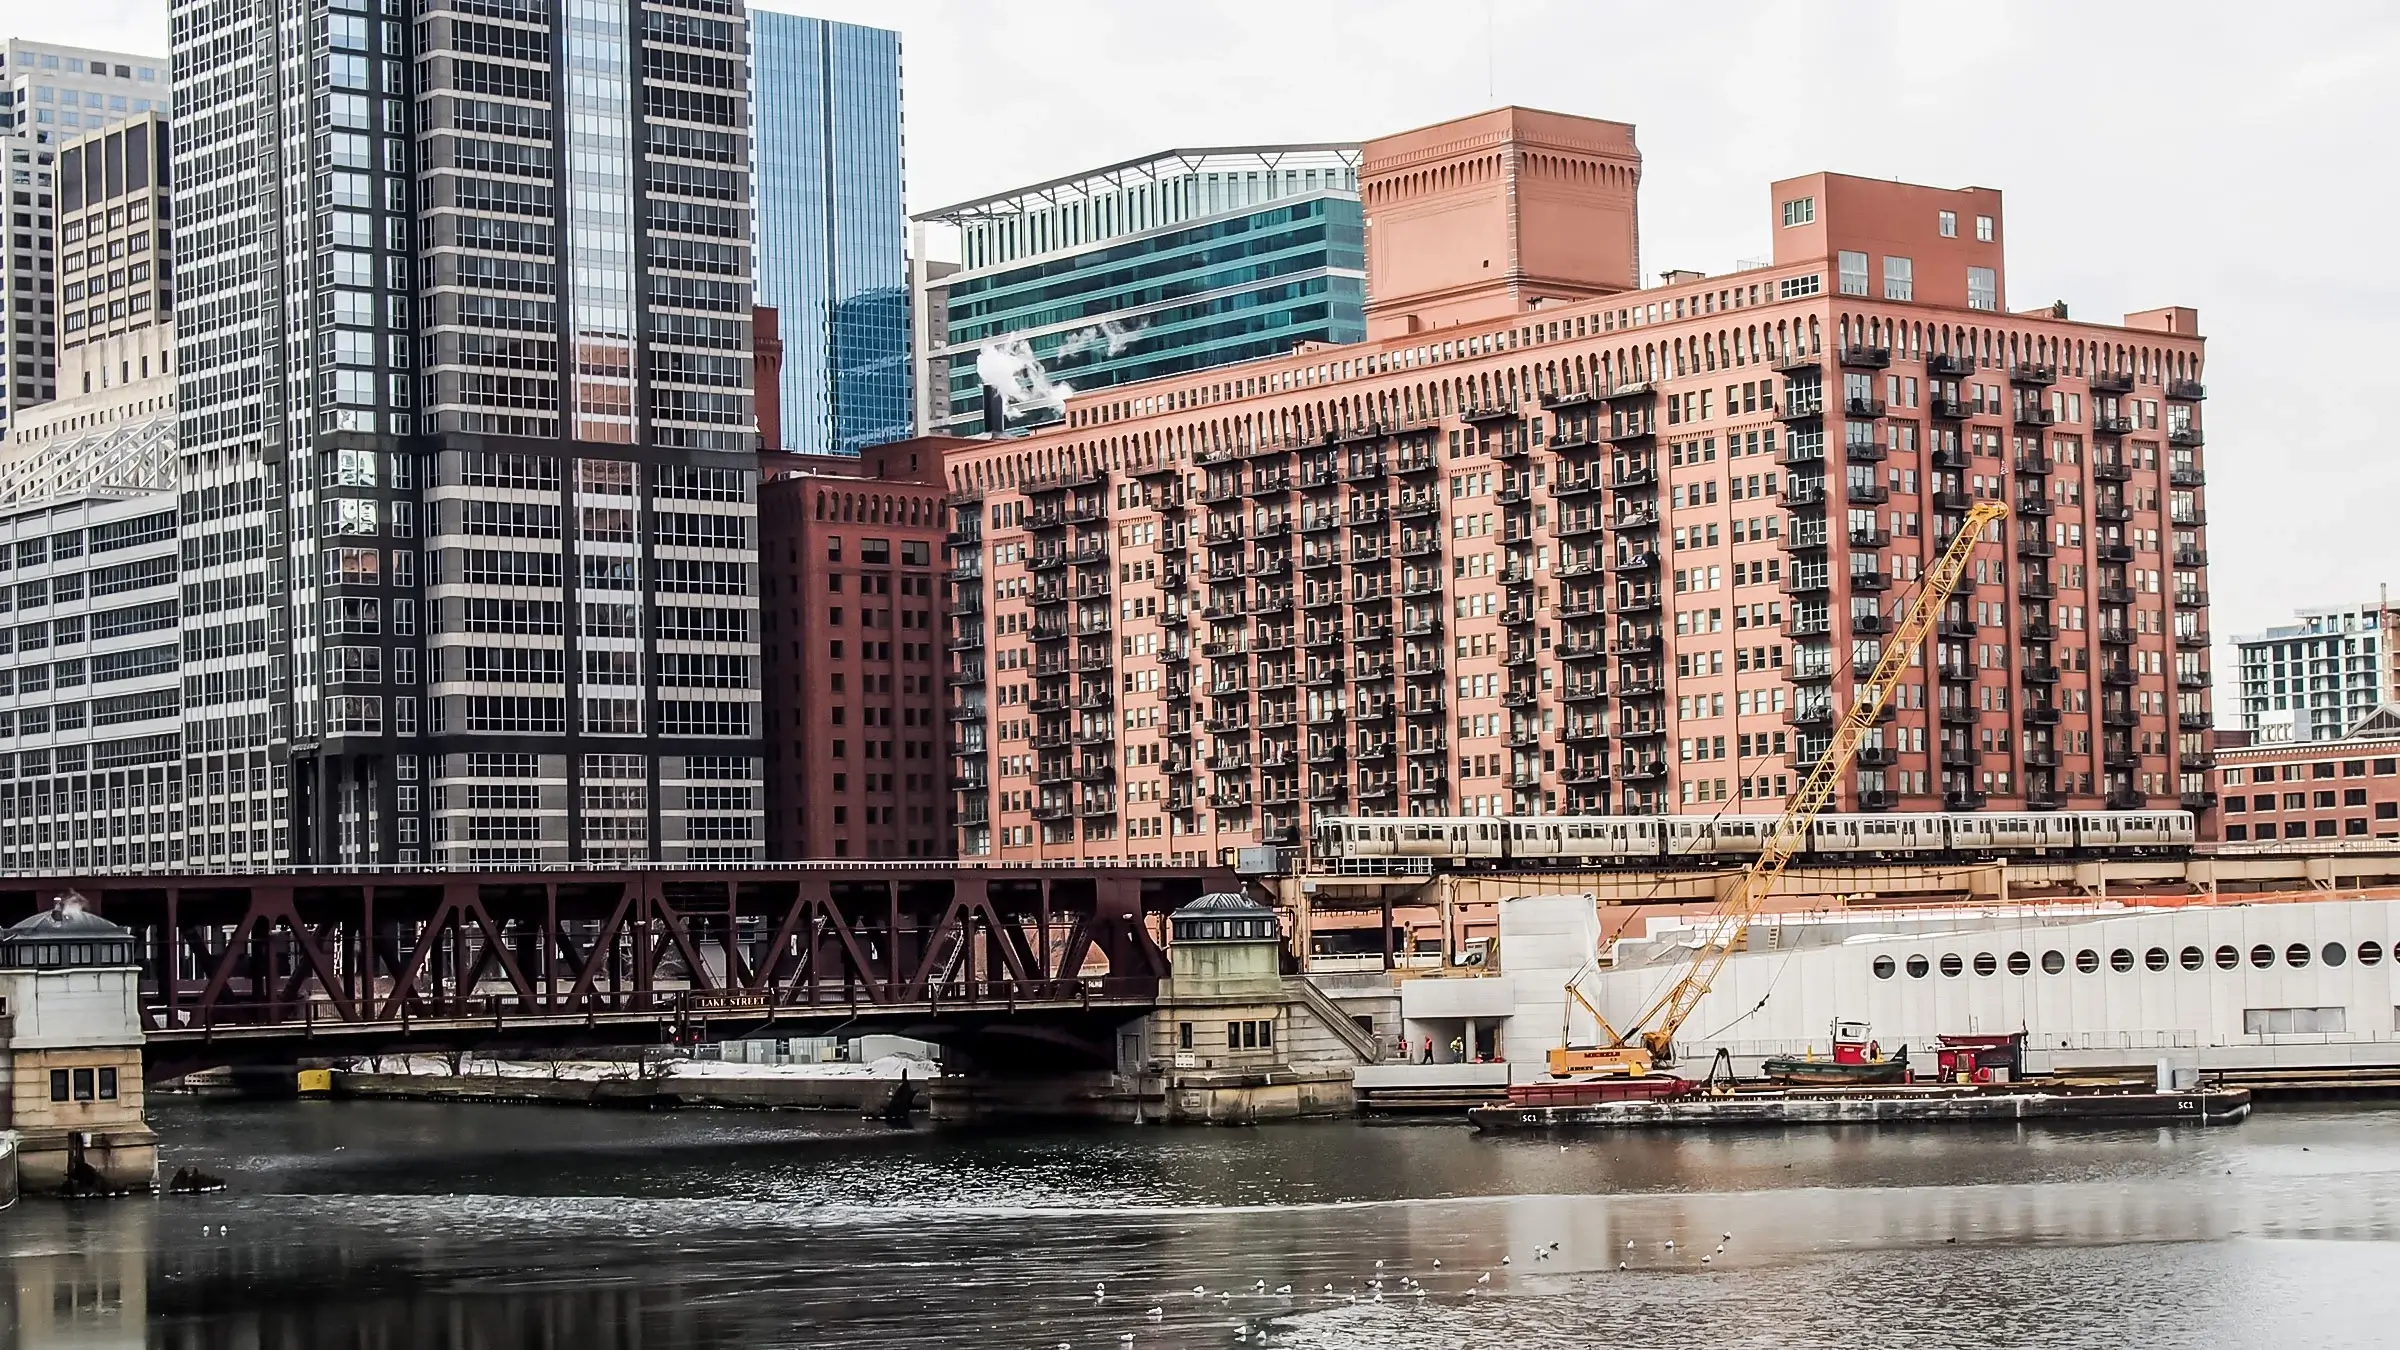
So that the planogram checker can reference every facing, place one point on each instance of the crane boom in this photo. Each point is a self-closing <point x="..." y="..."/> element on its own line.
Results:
<point x="1731" y="921"/>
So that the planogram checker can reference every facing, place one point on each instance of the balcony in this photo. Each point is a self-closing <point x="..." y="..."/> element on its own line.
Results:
<point x="2111" y="382"/>
<point x="2039" y="715"/>
<point x="1626" y="430"/>
<point x="2191" y="599"/>
<point x="1877" y="799"/>
<point x="1948" y="409"/>
<point x="1570" y="398"/>
<point x="2186" y="391"/>
<point x="2111" y="426"/>
<point x="2191" y="557"/>
<point x="2034" y="546"/>
<point x="1863" y="452"/>
<point x="1633" y="477"/>
<point x="1949" y="499"/>
<point x="1808" y="581"/>
<point x="1489" y="412"/>
<point x="1868" y="581"/>
<point x="2111" y="471"/>
<point x="2116" y="637"/>
<point x="2033" y="373"/>
<point x="1963" y="799"/>
<point x="2187" y="437"/>
<point x="1630" y="391"/>
<point x="2037" y="629"/>
<point x="1944" y="365"/>
<point x="1862" y="408"/>
<point x="1800" y="540"/>
<point x="2030" y="416"/>
<point x="1866" y="494"/>
<point x="1637" y="602"/>
<point x="1794" y="362"/>
<point x="1876" y="757"/>
<point x="1870" y="622"/>
<point x="2114" y="512"/>
<point x="2033" y="465"/>
<point x="2191" y="679"/>
<point x="2039" y="674"/>
<point x="1643" y="516"/>
<point x="1642" y="770"/>
<point x="1810" y="715"/>
<point x="1634" y="562"/>
<point x="2192" y="640"/>
<point x="1802" y="404"/>
<point x="1800" y="493"/>
<point x="1576" y="485"/>
<point x="1862" y="357"/>
<point x="1958" y="715"/>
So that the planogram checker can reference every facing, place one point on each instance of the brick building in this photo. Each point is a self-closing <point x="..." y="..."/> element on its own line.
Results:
<point x="2333" y="789"/>
<point x="857" y="745"/>
<point x="1545" y="542"/>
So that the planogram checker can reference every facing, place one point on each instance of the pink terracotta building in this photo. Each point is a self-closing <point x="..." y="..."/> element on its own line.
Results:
<point x="1547" y="542"/>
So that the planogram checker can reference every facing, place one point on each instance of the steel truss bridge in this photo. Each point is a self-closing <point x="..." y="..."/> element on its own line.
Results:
<point x="1022" y="963"/>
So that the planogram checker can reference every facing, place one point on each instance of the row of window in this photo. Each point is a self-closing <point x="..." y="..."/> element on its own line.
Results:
<point x="2088" y="961"/>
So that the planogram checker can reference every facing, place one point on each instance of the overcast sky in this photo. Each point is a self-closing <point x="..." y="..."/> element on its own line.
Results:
<point x="2228" y="157"/>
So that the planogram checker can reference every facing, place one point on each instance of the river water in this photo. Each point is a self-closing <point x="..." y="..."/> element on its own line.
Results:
<point x="383" y="1227"/>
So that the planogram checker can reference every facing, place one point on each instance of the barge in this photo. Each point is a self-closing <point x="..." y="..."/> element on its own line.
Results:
<point x="1931" y="1104"/>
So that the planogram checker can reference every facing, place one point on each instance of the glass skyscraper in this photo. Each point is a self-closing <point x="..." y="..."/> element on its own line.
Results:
<point x="1161" y="266"/>
<point x="832" y="228"/>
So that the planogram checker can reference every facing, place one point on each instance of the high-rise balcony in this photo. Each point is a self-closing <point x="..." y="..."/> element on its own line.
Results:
<point x="2111" y="382"/>
<point x="1867" y="581"/>
<point x="2033" y="373"/>
<point x="2039" y="715"/>
<point x="2039" y="674"/>
<point x="1945" y="365"/>
<point x="1864" y="452"/>
<point x="1799" y="493"/>
<point x="1866" y="494"/>
<point x="1862" y="409"/>
<point x="2191" y="557"/>
<point x="2186" y="391"/>
<point x="2111" y="471"/>
<point x="2111" y="426"/>
<point x="1801" y="404"/>
<point x="2114" y="512"/>
<point x="2032" y="415"/>
<point x="1862" y="357"/>
<point x="1948" y="409"/>
<point x="1487" y="412"/>
<point x="2188" y="437"/>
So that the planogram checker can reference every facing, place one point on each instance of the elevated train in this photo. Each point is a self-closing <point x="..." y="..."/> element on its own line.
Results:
<point x="1504" y="842"/>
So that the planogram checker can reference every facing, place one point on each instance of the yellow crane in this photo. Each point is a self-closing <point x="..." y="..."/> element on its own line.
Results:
<point x="1650" y="1038"/>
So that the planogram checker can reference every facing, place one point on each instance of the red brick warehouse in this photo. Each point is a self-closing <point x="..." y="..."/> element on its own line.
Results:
<point x="1548" y="541"/>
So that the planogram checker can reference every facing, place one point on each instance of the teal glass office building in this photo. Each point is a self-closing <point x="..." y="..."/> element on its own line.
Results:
<point x="1158" y="267"/>
<point x="831" y="228"/>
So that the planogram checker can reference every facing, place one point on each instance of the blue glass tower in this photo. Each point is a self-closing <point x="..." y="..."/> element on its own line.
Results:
<point x="832" y="228"/>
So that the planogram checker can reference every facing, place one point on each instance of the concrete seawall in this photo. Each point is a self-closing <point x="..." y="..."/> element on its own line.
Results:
<point x="763" y="1094"/>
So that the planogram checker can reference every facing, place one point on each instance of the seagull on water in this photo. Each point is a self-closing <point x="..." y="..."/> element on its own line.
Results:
<point x="1155" y="1313"/>
<point x="1484" y="1278"/>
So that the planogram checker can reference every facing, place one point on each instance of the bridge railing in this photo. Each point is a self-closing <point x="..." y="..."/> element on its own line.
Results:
<point x="837" y="866"/>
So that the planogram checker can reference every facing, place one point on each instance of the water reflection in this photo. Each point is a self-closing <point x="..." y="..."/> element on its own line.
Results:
<point x="459" y="1227"/>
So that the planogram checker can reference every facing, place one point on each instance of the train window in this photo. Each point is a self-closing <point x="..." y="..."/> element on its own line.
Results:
<point x="2334" y="955"/>
<point x="2121" y="960"/>
<point x="1984" y="964"/>
<point x="2262" y="956"/>
<point x="2156" y="958"/>
<point x="1917" y="967"/>
<point x="2053" y="962"/>
<point x="2019" y="963"/>
<point x="2193" y="958"/>
<point x="1884" y="967"/>
<point x="2297" y="955"/>
<point x="1952" y="966"/>
<point x="2370" y="953"/>
<point x="2228" y="957"/>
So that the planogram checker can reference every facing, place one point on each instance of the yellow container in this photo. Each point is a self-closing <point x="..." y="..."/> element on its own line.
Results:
<point x="316" y="1082"/>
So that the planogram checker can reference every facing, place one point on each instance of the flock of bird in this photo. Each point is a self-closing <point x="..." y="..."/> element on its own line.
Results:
<point x="1374" y="1289"/>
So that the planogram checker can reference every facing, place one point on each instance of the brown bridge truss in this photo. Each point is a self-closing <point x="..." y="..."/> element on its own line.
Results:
<point x="329" y="963"/>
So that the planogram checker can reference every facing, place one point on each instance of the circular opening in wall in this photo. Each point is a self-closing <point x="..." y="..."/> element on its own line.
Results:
<point x="2194" y="958"/>
<point x="1951" y="965"/>
<point x="2297" y="954"/>
<point x="1917" y="967"/>
<point x="2053" y="962"/>
<point x="2019" y="963"/>
<point x="2087" y="961"/>
<point x="2121" y="960"/>
<point x="2157" y="959"/>
<point x="1984" y="964"/>
<point x="1884" y="967"/>
<point x="2334" y="955"/>
<point x="2228" y="957"/>
<point x="2262" y="956"/>
<point x="2370" y="953"/>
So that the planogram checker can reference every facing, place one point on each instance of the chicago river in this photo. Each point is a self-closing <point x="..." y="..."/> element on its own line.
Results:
<point x="410" y="1225"/>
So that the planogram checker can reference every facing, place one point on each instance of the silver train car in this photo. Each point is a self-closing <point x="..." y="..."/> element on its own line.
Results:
<point x="1495" y="842"/>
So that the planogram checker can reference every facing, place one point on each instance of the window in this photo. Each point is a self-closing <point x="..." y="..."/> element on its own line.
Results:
<point x="83" y="1085"/>
<point x="58" y="1085"/>
<point x="1899" y="279"/>
<point x="1183" y="1036"/>
<point x="2294" y="1021"/>
<point x="1799" y="211"/>
<point x="1983" y="229"/>
<point x="108" y="1085"/>
<point x="1853" y="273"/>
<point x="1950" y="224"/>
<point x="1983" y="288"/>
